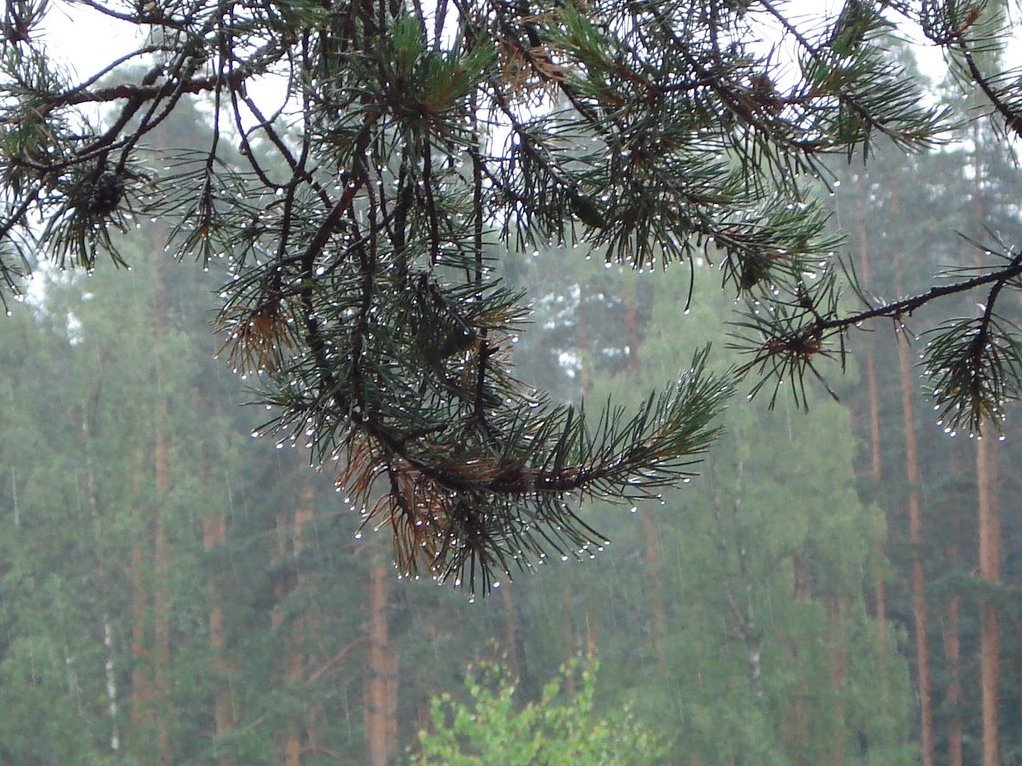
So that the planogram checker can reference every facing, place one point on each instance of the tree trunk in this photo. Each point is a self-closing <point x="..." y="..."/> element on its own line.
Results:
<point x="289" y="738"/>
<point x="214" y="533"/>
<point x="838" y="675"/>
<point x="511" y="635"/>
<point x="109" y="664"/>
<point x="568" y="629"/>
<point x="658" y="613"/>
<point x="875" y="449"/>
<point x="800" y="572"/>
<point x="794" y="725"/>
<point x="381" y="692"/>
<point x="952" y="652"/>
<point x="987" y="471"/>
<point x="161" y="563"/>
<point x="651" y="545"/>
<point x="923" y="681"/>
<point x="288" y="745"/>
<point x="305" y="515"/>
<point x="161" y="601"/>
<point x="140" y="696"/>
<point x="876" y="470"/>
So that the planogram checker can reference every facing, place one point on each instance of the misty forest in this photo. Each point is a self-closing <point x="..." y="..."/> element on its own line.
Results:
<point x="537" y="385"/>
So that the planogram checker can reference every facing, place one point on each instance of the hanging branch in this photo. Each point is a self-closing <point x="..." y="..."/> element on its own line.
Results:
<point x="354" y="220"/>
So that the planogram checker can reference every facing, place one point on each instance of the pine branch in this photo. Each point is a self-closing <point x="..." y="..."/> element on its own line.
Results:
<point x="968" y="386"/>
<point x="355" y="220"/>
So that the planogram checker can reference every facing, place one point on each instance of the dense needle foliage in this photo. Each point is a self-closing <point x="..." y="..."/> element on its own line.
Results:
<point x="361" y="213"/>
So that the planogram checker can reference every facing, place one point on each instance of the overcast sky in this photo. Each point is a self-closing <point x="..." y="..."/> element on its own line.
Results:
<point x="88" y="40"/>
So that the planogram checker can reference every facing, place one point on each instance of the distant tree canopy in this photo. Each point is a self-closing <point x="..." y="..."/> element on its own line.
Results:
<point x="371" y="163"/>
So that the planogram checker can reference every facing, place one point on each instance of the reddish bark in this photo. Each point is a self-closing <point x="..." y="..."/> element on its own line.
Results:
<point x="288" y="744"/>
<point x="214" y="532"/>
<point x="291" y="536"/>
<point x="381" y="691"/>
<point x="161" y="554"/>
<point x="923" y="681"/>
<point x="838" y="675"/>
<point x="161" y="602"/>
<point x="952" y="652"/>
<point x="510" y="633"/>
<point x="987" y="470"/>
<point x="875" y="448"/>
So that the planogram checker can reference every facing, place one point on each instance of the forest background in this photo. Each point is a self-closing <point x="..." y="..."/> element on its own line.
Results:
<point x="835" y="588"/>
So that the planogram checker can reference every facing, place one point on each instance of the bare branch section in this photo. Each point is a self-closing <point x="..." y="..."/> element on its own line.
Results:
<point x="360" y="219"/>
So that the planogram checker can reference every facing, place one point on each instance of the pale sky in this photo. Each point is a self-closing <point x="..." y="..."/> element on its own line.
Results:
<point x="88" y="40"/>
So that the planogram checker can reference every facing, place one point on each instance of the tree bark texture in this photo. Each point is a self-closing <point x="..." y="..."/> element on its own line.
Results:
<point x="923" y="682"/>
<point x="381" y="691"/>
<point x="987" y="472"/>
<point x="214" y="533"/>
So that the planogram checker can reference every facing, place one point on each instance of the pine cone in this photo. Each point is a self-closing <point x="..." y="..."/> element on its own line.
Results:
<point x="105" y="194"/>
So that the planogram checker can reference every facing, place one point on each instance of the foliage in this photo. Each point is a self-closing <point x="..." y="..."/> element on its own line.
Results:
<point x="361" y="216"/>
<point x="748" y="669"/>
<point x="278" y="600"/>
<point x="558" y="729"/>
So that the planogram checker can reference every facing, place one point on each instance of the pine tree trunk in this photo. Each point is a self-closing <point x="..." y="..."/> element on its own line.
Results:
<point x="214" y="533"/>
<point x="510" y="634"/>
<point x="568" y="629"/>
<point x="294" y="662"/>
<point x="305" y="515"/>
<point x="288" y="745"/>
<point x="161" y="604"/>
<point x="658" y="613"/>
<point x="109" y="664"/>
<point x="381" y="692"/>
<point x="987" y="473"/>
<point x="651" y="540"/>
<point x="161" y="563"/>
<point x="795" y="727"/>
<point x="875" y="449"/>
<point x="140" y="697"/>
<point x="987" y="477"/>
<point x="800" y="573"/>
<point x="838" y="676"/>
<point x="952" y="652"/>
<point x="923" y="682"/>
<point x="291" y="534"/>
<point x="876" y="470"/>
<point x="592" y="638"/>
<point x="161" y="599"/>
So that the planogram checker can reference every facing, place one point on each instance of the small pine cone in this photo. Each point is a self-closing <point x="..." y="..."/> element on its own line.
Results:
<point x="105" y="194"/>
<point x="754" y="269"/>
